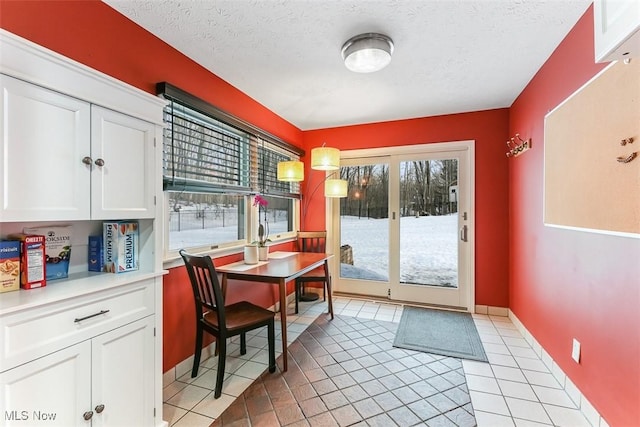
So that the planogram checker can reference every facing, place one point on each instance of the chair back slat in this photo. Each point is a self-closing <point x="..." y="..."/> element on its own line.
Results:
<point x="312" y="241"/>
<point x="207" y="291"/>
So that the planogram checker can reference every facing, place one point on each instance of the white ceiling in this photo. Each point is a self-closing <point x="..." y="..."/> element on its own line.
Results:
<point x="450" y="56"/>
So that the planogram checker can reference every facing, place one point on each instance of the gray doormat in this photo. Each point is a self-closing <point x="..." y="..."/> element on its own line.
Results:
<point x="447" y="333"/>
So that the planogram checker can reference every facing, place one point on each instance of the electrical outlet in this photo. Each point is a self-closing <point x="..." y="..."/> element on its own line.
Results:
<point x="575" y="353"/>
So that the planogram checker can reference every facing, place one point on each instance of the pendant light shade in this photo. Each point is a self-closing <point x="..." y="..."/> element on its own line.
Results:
<point x="366" y="53"/>
<point x="335" y="188"/>
<point x="325" y="158"/>
<point x="291" y="171"/>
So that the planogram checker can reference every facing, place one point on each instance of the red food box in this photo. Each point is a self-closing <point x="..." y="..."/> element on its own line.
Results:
<point x="33" y="262"/>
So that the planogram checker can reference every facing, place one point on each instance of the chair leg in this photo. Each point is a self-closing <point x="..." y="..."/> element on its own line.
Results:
<point x="271" y="336"/>
<point x="297" y="288"/>
<point x="222" y="356"/>
<point x="198" y="351"/>
<point x="243" y="343"/>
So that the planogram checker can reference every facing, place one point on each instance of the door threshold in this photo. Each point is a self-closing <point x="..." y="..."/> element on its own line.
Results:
<point x="383" y="300"/>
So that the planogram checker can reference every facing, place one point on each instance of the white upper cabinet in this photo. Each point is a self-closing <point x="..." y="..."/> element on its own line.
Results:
<point x="45" y="135"/>
<point x="617" y="29"/>
<point x="64" y="159"/>
<point x="122" y="151"/>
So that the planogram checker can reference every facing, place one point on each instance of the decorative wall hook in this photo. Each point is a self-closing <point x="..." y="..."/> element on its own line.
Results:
<point x="517" y="146"/>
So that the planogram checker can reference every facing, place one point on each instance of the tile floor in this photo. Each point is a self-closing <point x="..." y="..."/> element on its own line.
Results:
<point x="514" y="389"/>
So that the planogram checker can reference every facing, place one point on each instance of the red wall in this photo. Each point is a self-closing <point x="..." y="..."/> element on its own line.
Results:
<point x="570" y="284"/>
<point x="489" y="130"/>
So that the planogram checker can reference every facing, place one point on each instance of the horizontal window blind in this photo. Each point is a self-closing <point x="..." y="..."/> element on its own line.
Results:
<point x="203" y="153"/>
<point x="268" y="158"/>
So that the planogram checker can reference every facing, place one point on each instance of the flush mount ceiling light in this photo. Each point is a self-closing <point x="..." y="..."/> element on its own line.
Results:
<point x="366" y="53"/>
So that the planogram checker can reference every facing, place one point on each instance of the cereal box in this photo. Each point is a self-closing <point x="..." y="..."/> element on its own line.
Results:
<point x="120" y="246"/>
<point x="32" y="262"/>
<point x="58" y="249"/>
<point x="95" y="257"/>
<point x="9" y="266"/>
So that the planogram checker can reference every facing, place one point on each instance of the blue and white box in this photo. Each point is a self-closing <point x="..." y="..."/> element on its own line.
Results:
<point x="121" y="246"/>
<point x="95" y="255"/>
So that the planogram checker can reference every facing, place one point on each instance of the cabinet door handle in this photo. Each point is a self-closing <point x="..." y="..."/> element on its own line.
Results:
<point x="78" y="320"/>
<point x="99" y="408"/>
<point x="87" y="160"/>
<point x="99" y="162"/>
<point x="87" y="415"/>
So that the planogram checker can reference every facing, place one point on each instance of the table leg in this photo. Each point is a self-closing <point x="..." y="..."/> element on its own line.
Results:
<point x="283" y="321"/>
<point x="224" y="285"/>
<point x="328" y="276"/>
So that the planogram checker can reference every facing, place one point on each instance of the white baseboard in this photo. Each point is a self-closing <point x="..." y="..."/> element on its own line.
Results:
<point x="587" y="409"/>
<point x="492" y="311"/>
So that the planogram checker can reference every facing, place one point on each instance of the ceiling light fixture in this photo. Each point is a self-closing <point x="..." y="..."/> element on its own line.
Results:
<point x="366" y="53"/>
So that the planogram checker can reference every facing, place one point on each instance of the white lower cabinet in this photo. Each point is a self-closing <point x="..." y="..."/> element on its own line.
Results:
<point x="54" y="390"/>
<point x="104" y="381"/>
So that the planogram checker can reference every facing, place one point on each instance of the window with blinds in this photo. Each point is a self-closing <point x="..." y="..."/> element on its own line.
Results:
<point x="213" y="163"/>
<point x="203" y="154"/>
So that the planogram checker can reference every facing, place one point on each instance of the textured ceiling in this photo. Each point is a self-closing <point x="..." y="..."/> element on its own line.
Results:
<point x="450" y="56"/>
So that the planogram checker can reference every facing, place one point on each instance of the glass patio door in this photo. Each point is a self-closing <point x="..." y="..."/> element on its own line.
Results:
<point x="364" y="228"/>
<point x="405" y="230"/>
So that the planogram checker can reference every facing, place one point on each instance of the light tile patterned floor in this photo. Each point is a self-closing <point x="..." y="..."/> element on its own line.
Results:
<point x="514" y="389"/>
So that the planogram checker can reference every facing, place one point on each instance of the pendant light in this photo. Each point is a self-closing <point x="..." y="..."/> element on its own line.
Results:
<point x="325" y="158"/>
<point x="291" y="171"/>
<point x="335" y="188"/>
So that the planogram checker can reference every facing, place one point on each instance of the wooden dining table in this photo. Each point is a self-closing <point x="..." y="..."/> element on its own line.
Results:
<point x="280" y="268"/>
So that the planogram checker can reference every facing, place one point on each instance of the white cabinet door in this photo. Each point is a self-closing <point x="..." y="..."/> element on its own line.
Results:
<point x="123" y="376"/>
<point x="45" y="135"/>
<point x="123" y="175"/>
<point x="54" y="390"/>
<point x="617" y="29"/>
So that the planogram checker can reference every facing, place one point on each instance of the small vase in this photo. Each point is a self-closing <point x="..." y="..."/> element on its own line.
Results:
<point x="250" y="254"/>
<point x="263" y="253"/>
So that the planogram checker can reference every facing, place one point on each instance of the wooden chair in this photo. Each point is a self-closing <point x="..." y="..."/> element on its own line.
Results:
<point x="223" y="321"/>
<point x="313" y="241"/>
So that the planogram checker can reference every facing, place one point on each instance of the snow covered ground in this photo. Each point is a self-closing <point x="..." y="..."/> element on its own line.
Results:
<point x="428" y="249"/>
<point x="428" y="245"/>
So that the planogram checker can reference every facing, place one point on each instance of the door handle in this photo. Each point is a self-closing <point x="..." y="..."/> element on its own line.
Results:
<point x="463" y="233"/>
